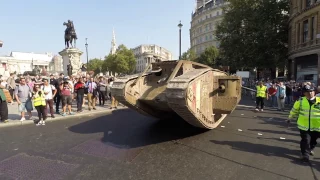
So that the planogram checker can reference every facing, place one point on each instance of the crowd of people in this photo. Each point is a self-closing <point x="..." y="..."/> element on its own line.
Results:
<point x="279" y="94"/>
<point x="54" y="95"/>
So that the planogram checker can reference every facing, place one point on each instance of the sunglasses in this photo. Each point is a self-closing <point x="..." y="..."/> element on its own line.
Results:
<point x="37" y="87"/>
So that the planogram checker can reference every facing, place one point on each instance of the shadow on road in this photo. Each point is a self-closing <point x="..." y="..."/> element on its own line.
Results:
<point x="126" y="127"/>
<point x="267" y="150"/>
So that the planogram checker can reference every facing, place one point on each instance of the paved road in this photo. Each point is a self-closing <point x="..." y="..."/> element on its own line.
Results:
<point x="126" y="145"/>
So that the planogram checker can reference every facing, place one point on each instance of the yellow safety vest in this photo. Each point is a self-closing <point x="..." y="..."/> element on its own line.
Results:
<point x="308" y="117"/>
<point x="39" y="99"/>
<point x="261" y="91"/>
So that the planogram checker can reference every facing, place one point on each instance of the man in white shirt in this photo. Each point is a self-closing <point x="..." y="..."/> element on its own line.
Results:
<point x="50" y="91"/>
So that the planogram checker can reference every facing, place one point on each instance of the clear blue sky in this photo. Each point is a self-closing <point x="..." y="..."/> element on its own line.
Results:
<point x="36" y="25"/>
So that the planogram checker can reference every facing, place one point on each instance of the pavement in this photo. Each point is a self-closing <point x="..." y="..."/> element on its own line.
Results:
<point x="122" y="144"/>
<point x="14" y="115"/>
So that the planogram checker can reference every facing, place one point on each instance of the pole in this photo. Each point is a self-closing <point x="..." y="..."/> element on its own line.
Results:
<point x="179" y="43"/>
<point x="180" y="26"/>
<point x="87" y="55"/>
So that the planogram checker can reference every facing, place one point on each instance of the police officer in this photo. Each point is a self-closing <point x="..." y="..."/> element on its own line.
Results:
<point x="307" y="111"/>
<point x="261" y="95"/>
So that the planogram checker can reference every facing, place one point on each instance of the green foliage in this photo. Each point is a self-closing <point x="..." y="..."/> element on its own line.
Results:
<point x="189" y="55"/>
<point x="209" y="56"/>
<point x="254" y="33"/>
<point x="123" y="61"/>
<point x="95" y="65"/>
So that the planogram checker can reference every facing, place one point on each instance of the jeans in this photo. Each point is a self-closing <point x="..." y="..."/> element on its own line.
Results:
<point x="273" y="101"/>
<point x="102" y="97"/>
<point x="280" y="103"/>
<point x="79" y="101"/>
<point x="49" y="102"/>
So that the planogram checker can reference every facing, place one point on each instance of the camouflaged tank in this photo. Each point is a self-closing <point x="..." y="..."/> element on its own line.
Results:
<point x="200" y="95"/>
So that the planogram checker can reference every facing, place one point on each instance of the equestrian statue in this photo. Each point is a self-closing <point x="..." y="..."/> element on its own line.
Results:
<point x="69" y="34"/>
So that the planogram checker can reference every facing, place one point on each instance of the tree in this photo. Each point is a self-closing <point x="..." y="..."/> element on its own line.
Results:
<point x="123" y="61"/>
<point x="209" y="56"/>
<point x="189" y="55"/>
<point x="254" y="33"/>
<point x="95" y="65"/>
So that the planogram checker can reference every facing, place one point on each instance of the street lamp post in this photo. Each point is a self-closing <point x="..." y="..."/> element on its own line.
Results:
<point x="180" y="26"/>
<point x="87" y="55"/>
<point x="1" y="43"/>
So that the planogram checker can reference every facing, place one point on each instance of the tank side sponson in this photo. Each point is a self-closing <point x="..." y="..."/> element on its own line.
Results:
<point x="228" y="94"/>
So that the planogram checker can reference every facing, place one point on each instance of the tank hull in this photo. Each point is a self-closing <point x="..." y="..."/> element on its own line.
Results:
<point x="189" y="90"/>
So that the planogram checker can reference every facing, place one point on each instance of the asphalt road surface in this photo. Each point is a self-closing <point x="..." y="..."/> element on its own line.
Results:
<point x="126" y="145"/>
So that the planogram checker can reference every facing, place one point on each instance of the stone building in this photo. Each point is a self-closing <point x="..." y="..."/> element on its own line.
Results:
<point x="304" y="43"/>
<point x="21" y="62"/>
<point x="146" y="54"/>
<point x="204" y="19"/>
<point x="56" y="64"/>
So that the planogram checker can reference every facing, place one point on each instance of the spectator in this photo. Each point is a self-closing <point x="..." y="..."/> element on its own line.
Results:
<point x="11" y="84"/>
<point x="23" y="96"/>
<point x="281" y="95"/>
<point x="272" y="94"/>
<point x="66" y="96"/>
<point x="92" y="93"/>
<point x="79" y="88"/>
<point x="39" y="101"/>
<point x="3" y="105"/>
<point x="102" y="91"/>
<point x="50" y="92"/>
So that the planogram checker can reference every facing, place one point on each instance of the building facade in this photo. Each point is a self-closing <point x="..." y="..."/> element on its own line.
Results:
<point x="205" y="18"/>
<point x="146" y="54"/>
<point x="21" y="62"/>
<point x="304" y="41"/>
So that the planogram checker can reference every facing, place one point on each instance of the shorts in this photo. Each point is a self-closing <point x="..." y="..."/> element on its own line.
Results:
<point x="25" y="106"/>
<point x="66" y="100"/>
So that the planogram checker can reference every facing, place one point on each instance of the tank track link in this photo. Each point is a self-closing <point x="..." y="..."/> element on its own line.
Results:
<point x="176" y="93"/>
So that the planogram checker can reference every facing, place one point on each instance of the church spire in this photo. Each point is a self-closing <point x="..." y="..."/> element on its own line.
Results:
<point x="113" y="43"/>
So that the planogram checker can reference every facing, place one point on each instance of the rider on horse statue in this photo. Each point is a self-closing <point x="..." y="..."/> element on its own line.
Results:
<point x="69" y="33"/>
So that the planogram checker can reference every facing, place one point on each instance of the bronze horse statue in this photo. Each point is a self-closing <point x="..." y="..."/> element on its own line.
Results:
<point x="70" y="34"/>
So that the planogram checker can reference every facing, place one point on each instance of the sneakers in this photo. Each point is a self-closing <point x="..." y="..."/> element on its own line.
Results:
<point x="255" y="109"/>
<point x="23" y="119"/>
<point x="312" y="152"/>
<point x="261" y="110"/>
<point x="42" y="122"/>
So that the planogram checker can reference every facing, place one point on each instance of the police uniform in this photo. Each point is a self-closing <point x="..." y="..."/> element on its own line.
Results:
<point x="260" y="96"/>
<point x="307" y="113"/>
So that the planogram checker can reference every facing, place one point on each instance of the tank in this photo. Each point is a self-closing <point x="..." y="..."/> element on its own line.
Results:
<point x="197" y="93"/>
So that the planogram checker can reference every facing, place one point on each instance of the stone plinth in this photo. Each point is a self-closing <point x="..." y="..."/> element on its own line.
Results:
<point x="71" y="55"/>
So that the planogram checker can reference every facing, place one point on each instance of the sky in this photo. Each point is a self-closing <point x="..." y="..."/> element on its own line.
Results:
<point x="37" y="25"/>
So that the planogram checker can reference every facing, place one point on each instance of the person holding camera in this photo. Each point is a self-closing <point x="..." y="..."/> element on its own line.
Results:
<point x="66" y="94"/>
<point x="39" y="102"/>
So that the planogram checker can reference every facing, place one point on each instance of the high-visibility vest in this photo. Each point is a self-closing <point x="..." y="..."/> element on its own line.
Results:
<point x="261" y="91"/>
<point x="308" y="117"/>
<point x="39" y="99"/>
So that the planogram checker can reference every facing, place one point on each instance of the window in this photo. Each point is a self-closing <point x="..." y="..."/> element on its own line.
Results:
<point x="312" y="29"/>
<point x="305" y="30"/>
<point x="298" y="34"/>
<point x="308" y="3"/>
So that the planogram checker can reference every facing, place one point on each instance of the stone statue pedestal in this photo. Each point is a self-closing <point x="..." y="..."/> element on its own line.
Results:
<point x="71" y="55"/>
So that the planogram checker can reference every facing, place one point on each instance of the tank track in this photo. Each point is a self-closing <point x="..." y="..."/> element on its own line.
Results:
<point x="176" y="93"/>
<point x="118" y="91"/>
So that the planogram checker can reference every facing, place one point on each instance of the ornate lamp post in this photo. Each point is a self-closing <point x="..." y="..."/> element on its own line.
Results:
<point x="87" y="54"/>
<point x="180" y="26"/>
<point x="1" y="43"/>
